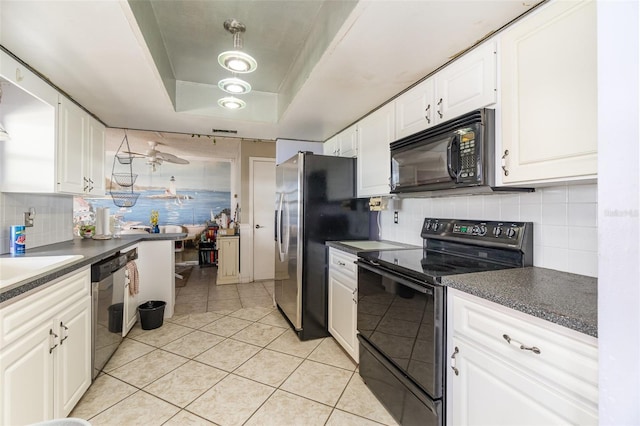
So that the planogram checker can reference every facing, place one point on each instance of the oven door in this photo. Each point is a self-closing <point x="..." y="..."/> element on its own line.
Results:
<point x="403" y="319"/>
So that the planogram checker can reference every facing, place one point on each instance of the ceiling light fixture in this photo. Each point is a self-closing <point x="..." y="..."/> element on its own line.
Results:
<point x="236" y="60"/>
<point x="231" y="102"/>
<point x="234" y="86"/>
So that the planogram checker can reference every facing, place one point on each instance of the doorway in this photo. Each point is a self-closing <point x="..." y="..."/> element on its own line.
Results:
<point x="262" y="194"/>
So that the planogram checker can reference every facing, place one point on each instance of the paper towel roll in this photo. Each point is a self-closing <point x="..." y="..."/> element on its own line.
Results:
<point x="102" y="221"/>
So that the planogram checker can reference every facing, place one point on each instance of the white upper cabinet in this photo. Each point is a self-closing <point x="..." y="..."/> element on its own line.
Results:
<point x="20" y="76"/>
<point x="55" y="146"/>
<point x="344" y="144"/>
<point x="330" y="146"/>
<point x="80" y="151"/>
<point x="415" y="109"/>
<point x="467" y="84"/>
<point x="94" y="159"/>
<point x="28" y="113"/>
<point x="464" y="85"/>
<point x="375" y="133"/>
<point x="348" y="142"/>
<point x="549" y="95"/>
<point x="73" y="125"/>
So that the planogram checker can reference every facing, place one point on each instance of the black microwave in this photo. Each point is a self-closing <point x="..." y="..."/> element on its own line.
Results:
<point x="458" y="153"/>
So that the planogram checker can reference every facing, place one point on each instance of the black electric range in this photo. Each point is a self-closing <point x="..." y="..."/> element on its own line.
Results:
<point x="401" y="308"/>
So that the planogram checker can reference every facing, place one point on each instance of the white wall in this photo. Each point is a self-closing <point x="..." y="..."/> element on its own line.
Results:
<point x="53" y="223"/>
<point x="564" y="221"/>
<point x="619" y="207"/>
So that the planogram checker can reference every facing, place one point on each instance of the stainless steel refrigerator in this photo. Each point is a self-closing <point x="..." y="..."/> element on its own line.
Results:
<point x="315" y="203"/>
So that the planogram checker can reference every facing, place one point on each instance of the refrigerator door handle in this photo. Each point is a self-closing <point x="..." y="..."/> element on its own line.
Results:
<point x="279" y="225"/>
<point x="286" y="231"/>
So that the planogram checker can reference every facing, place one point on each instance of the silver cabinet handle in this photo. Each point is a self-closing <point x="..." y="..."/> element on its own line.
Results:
<point x="504" y="162"/>
<point x="453" y="361"/>
<point x="428" y="113"/>
<point x="440" y="107"/>
<point x="354" y="295"/>
<point x="341" y="263"/>
<point x="52" y="336"/>
<point x="533" y="349"/>
<point x="64" y="329"/>
<point x="258" y="226"/>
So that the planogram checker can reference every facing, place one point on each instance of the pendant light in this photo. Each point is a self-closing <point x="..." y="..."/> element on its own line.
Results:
<point x="238" y="62"/>
<point x="231" y="102"/>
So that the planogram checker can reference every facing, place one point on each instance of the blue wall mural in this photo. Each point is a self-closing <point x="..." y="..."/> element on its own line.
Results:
<point x="182" y="194"/>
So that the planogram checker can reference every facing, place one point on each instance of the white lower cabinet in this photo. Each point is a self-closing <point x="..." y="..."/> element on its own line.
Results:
<point x="509" y="368"/>
<point x="228" y="260"/>
<point x="45" y="360"/>
<point x="343" y="301"/>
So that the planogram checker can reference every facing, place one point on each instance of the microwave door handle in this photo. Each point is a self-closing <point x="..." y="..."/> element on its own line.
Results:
<point x="451" y="168"/>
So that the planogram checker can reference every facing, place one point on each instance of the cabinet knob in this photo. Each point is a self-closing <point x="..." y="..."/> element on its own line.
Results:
<point x="258" y="226"/>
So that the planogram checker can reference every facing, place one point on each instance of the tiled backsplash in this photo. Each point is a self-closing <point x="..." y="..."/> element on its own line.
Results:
<point x="564" y="220"/>
<point x="53" y="221"/>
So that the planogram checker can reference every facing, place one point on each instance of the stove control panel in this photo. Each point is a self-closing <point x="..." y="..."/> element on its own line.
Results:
<point x="507" y="233"/>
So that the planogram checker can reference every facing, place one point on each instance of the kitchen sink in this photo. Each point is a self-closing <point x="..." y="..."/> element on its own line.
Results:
<point x="14" y="269"/>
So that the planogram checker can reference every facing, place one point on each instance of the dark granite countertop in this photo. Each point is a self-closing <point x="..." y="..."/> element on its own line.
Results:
<point x="340" y="245"/>
<point x="92" y="250"/>
<point x="562" y="298"/>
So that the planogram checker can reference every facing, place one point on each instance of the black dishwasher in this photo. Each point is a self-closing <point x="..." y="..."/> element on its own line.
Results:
<point x="107" y="290"/>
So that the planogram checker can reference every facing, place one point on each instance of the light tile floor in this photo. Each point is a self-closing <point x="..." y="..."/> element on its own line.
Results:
<point x="228" y="357"/>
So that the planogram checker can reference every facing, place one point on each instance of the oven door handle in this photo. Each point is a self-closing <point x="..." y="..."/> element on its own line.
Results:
<point x="394" y="277"/>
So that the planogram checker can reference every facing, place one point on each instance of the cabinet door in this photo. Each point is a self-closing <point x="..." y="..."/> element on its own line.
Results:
<point x="490" y="391"/>
<point x="228" y="267"/>
<point x="72" y="128"/>
<point x="130" y="310"/>
<point x="343" y="312"/>
<point x="415" y="109"/>
<point x="375" y="133"/>
<point x="549" y="94"/>
<point x="72" y="356"/>
<point x="26" y="374"/>
<point x="467" y="84"/>
<point x="18" y="74"/>
<point x="348" y="142"/>
<point x="330" y="147"/>
<point x="94" y="159"/>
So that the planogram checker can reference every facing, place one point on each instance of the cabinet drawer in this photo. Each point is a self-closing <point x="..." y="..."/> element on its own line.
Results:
<point x="343" y="263"/>
<point x="19" y="317"/>
<point x="567" y="358"/>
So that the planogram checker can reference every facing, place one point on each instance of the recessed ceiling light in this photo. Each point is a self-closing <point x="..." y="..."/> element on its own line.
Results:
<point x="232" y="103"/>
<point x="234" y="86"/>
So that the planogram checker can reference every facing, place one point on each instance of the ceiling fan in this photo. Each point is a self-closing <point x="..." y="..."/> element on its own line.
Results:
<point x="155" y="157"/>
